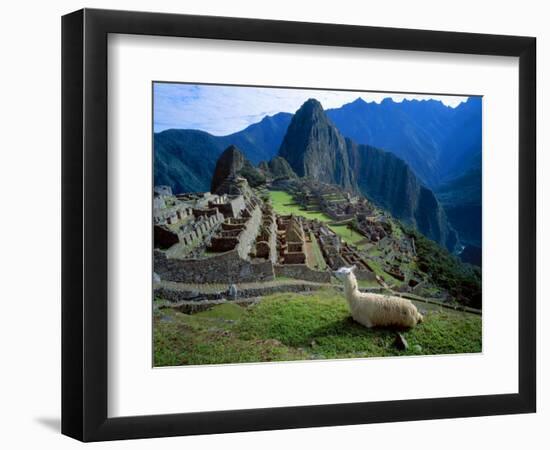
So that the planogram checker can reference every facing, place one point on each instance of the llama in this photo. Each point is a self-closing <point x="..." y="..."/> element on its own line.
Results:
<point x="373" y="310"/>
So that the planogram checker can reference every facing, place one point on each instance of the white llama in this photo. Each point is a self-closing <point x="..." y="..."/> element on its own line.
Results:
<point x="371" y="309"/>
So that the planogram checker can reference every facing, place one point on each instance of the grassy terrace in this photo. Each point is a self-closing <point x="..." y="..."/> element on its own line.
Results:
<point x="283" y="203"/>
<point x="290" y="326"/>
<point x="347" y="234"/>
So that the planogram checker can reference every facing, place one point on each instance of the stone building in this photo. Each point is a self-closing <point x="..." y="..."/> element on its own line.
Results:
<point x="222" y="238"/>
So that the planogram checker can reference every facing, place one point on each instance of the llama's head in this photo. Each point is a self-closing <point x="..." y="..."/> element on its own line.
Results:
<point x="344" y="272"/>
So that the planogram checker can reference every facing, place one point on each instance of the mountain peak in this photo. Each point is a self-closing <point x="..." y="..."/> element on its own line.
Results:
<point x="310" y="106"/>
<point x="232" y="153"/>
<point x="314" y="148"/>
<point x="230" y="162"/>
<point x="358" y="101"/>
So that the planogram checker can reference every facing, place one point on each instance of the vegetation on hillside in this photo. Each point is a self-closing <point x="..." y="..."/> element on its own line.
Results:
<point x="254" y="177"/>
<point x="461" y="280"/>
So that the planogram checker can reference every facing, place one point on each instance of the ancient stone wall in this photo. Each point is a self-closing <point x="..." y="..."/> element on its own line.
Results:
<point x="163" y="237"/>
<point x="301" y="272"/>
<point x="247" y="237"/>
<point x="223" y="244"/>
<point x="294" y="258"/>
<point x="365" y="275"/>
<point x="224" y="268"/>
<point x="232" y="207"/>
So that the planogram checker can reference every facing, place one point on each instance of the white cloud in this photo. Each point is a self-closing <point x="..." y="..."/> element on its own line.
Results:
<point x="222" y="110"/>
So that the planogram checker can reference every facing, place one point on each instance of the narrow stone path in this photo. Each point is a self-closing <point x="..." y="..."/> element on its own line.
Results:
<point x="212" y="288"/>
<point x="178" y="292"/>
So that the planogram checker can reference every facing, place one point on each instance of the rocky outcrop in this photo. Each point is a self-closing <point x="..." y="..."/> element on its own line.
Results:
<point x="229" y="164"/>
<point x="279" y="168"/>
<point x="232" y="164"/>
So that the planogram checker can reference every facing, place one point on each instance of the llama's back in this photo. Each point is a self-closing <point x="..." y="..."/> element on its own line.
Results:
<point x="384" y="310"/>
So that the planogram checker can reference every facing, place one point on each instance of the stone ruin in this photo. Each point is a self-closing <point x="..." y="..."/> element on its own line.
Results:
<point x="233" y="236"/>
<point x="339" y="254"/>
<point x="212" y="238"/>
<point x="291" y="240"/>
<point x="266" y="240"/>
<point x="373" y="227"/>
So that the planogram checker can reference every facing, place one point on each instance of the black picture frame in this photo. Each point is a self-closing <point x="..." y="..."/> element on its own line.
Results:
<point x="84" y="224"/>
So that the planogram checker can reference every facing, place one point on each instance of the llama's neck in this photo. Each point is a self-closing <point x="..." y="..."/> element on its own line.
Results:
<point x="350" y="287"/>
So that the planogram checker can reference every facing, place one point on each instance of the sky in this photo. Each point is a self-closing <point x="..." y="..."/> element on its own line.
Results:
<point x="222" y="110"/>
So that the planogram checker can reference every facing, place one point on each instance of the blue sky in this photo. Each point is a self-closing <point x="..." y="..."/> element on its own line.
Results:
<point x="222" y="110"/>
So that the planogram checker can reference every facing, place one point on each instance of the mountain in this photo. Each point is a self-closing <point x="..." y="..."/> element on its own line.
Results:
<point x="261" y="141"/>
<point x="461" y="198"/>
<point x="441" y="145"/>
<point x="232" y="163"/>
<point x="314" y="147"/>
<point x="234" y="174"/>
<point x="279" y="168"/>
<point x="438" y="142"/>
<point x="389" y="182"/>
<point x="229" y="164"/>
<point x="185" y="159"/>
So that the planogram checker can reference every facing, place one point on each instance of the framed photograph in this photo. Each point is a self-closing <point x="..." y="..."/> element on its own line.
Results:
<point x="273" y="224"/>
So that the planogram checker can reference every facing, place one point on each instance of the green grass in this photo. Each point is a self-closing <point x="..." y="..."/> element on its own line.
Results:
<point x="284" y="204"/>
<point x="348" y="234"/>
<point x="289" y="326"/>
<point x="377" y="268"/>
<point x="397" y="230"/>
<point x="368" y="283"/>
<point x="320" y="260"/>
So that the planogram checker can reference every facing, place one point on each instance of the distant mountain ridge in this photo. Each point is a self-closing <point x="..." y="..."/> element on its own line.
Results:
<point x="315" y="148"/>
<point x="438" y="142"/>
<point x="185" y="159"/>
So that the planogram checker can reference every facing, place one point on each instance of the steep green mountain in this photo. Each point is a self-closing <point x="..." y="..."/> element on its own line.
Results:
<point x="315" y="148"/>
<point x="389" y="182"/>
<point x="463" y="281"/>
<point x="461" y="198"/>
<point x="230" y="165"/>
<point x="279" y="168"/>
<point x="233" y="163"/>
<point x="185" y="159"/>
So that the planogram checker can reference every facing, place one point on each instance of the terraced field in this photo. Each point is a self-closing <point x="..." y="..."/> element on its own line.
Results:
<point x="283" y="203"/>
